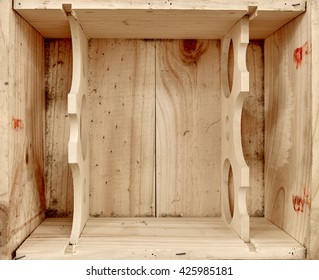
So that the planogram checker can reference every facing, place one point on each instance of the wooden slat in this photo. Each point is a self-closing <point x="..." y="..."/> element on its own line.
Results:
<point x="314" y="217"/>
<point x="58" y="177"/>
<point x="252" y="128"/>
<point x="122" y="88"/>
<point x="288" y="128"/>
<point x="154" y="19"/>
<point x="187" y="128"/>
<point x="160" y="238"/>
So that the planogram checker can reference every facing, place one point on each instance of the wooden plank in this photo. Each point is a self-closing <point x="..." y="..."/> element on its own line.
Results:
<point x="314" y="216"/>
<point x="187" y="128"/>
<point x="288" y="128"/>
<point x="160" y="238"/>
<point x="153" y="24"/>
<point x="252" y="129"/>
<point x="22" y="130"/>
<point x="4" y="132"/>
<point x="58" y="177"/>
<point x="122" y="128"/>
<point x="154" y="19"/>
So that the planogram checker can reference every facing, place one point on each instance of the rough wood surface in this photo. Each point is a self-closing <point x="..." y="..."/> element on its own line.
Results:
<point x="22" y="193"/>
<point x="122" y="127"/>
<point x="158" y="19"/>
<point x="187" y="128"/>
<point x="288" y="128"/>
<point x="4" y="132"/>
<point x="59" y="188"/>
<point x="58" y="177"/>
<point x="314" y="218"/>
<point x="252" y="129"/>
<point x="160" y="238"/>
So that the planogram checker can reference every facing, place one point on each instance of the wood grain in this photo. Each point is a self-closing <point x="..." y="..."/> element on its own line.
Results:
<point x="288" y="128"/>
<point x="4" y="132"/>
<point x="58" y="177"/>
<point x="252" y="130"/>
<point x="160" y="238"/>
<point x="22" y="192"/>
<point x="122" y="128"/>
<point x="314" y="217"/>
<point x="155" y="19"/>
<point x="187" y="128"/>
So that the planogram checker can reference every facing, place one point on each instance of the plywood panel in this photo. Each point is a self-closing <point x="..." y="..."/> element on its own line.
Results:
<point x="188" y="128"/>
<point x="22" y="130"/>
<point x="314" y="218"/>
<point x="122" y="137"/>
<point x="288" y="128"/>
<point x="58" y="177"/>
<point x="252" y="133"/>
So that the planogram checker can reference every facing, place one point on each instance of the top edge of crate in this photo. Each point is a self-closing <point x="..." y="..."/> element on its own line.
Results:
<point x="158" y="19"/>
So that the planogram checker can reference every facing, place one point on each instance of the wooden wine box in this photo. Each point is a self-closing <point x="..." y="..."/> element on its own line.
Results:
<point x="159" y="129"/>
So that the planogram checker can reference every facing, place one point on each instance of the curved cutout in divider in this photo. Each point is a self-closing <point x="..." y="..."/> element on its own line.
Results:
<point x="231" y="110"/>
<point x="78" y="143"/>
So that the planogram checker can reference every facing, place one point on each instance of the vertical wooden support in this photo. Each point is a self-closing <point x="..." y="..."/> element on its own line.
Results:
<point x="234" y="209"/>
<point x="78" y="143"/>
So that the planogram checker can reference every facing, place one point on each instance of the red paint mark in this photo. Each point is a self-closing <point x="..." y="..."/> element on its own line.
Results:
<point x="300" y="202"/>
<point x="300" y="52"/>
<point x="17" y="124"/>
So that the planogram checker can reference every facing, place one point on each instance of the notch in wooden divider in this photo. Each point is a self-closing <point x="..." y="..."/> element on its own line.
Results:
<point x="232" y="158"/>
<point x="78" y="150"/>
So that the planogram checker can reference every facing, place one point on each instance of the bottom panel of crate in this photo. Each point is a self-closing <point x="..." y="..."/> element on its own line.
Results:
<point x="158" y="238"/>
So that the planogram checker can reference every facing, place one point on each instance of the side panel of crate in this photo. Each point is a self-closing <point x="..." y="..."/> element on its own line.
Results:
<point x="22" y="200"/>
<point x="288" y="135"/>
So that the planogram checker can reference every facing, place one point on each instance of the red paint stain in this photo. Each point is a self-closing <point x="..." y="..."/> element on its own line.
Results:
<point x="299" y="54"/>
<point x="300" y="202"/>
<point x="17" y="123"/>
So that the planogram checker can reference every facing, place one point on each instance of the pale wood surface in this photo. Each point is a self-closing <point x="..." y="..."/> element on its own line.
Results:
<point x="234" y="89"/>
<point x="59" y="193"/>
<point x="122" y="127"/>
<point x="79" y="113"/>
<point x="58" y="176"/>
<point x="22" y="199"/>
<point x="4" y="132"/>
<point x="314" y="217"/>
<point x="252" y="128"/>
<point x="288" y="128"/>
<point x="187" y="128"/>
<point x="159" y="238"/>
<point x="154" y="19"/>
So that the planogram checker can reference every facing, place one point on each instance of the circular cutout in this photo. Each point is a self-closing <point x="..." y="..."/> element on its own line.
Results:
<point x="84" y="131"/>
<point x="230" y="66"/>
<point x="230" y="183"/>
<point x="227" y="128"/>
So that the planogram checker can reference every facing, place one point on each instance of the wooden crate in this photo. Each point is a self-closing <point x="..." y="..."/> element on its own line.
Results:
<point x="151" y="142"/>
